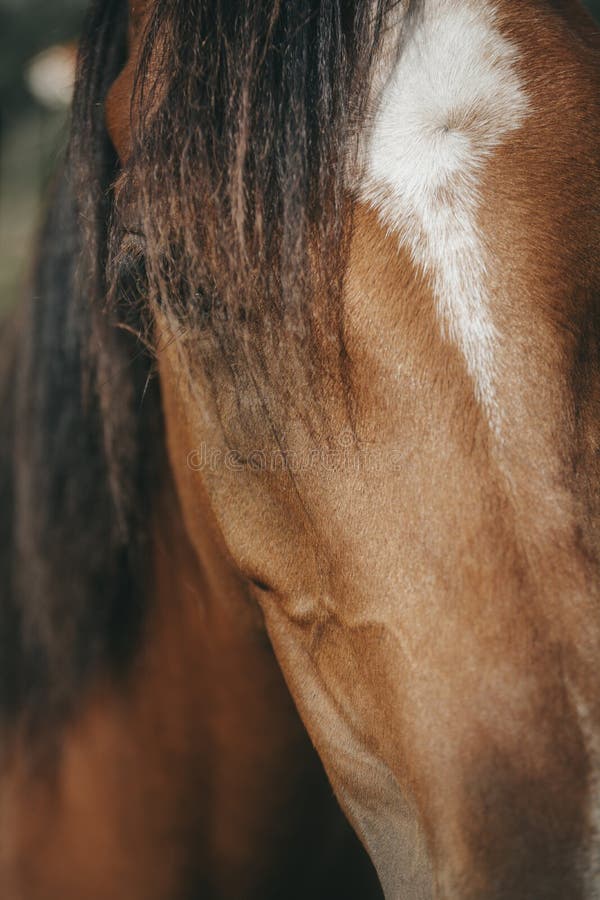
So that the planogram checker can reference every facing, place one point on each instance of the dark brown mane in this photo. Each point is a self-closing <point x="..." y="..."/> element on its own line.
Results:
<point x="244" y="129"/>
<point x="242" y="161"/>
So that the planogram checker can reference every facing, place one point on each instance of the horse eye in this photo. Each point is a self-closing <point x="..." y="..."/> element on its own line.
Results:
<point x="260" y="585"/>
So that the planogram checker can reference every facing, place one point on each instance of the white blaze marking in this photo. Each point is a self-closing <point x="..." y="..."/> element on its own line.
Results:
<point x="452" y="96"/>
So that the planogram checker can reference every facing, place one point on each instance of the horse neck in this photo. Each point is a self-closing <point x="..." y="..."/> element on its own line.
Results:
<point x="194" y="774"/>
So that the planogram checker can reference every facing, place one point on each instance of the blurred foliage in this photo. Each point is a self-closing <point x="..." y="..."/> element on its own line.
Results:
<point x="594" y="6"/>
<point x="26" y="28"/>
<point x="31" y="136"/>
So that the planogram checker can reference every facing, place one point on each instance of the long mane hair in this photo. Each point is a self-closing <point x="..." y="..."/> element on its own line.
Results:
<point x="242" y="167"/>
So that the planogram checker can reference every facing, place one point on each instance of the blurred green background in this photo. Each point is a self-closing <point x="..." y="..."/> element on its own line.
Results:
<point x="34" y="98"/>
<point x="37" y="39"/>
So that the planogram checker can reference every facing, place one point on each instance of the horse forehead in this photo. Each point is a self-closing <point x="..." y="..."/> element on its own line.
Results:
<point x="442" y="108"/>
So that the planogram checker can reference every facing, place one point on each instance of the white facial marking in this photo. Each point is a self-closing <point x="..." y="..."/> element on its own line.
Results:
<point x="452" y="96"/>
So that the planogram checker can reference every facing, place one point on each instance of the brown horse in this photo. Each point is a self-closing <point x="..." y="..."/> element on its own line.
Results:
<point x="359" y="245"/>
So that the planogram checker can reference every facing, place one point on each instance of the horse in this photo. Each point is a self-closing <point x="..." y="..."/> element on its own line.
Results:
<point x="300" y="461"/>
